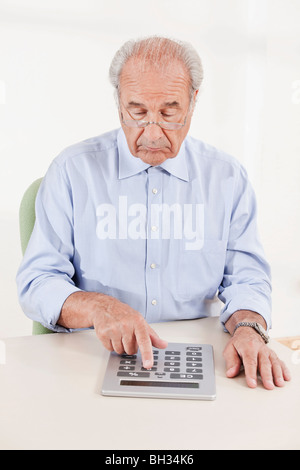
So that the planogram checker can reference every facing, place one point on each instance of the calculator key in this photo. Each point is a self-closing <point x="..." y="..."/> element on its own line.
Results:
<point x="128" y="361"/>
<point x="186" y="376"/>
<point x="194" y="370"/>
<point x="129" y="356"/>
<point x="172" y="358"/>
<point x="161" y="374"/>
<point x="194" y="348"/>
<point x="152" y="369"/>
<point x="172" y="353"/>
<point x="194" y="364"/>
<point x="172" y="369"/>
<point x="154" y="364"/>
<point x="133" y="374"/>
<point x="126" y="368"/>
<point x="172" y="364"/>
<point x="194" y="353"/>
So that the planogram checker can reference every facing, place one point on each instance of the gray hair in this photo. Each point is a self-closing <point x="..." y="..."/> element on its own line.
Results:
<point x="158" y="51"/>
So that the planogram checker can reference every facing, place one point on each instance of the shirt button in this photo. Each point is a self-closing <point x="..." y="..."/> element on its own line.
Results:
<point x="152" y="265"/>
<point x="154" y="190"/>
<point x="153" y="228"/>
<point x="154" y="302"/>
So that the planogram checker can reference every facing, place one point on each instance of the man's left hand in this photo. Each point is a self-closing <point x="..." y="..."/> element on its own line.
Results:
<point x="247" y="348"/>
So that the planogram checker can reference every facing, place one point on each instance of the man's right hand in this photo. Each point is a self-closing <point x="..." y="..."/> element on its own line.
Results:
<point x="118" y="326"/>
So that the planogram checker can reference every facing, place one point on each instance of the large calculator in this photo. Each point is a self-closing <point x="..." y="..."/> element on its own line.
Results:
<point x="183" y="370"/>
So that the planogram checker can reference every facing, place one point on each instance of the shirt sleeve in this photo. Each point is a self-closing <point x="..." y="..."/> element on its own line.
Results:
<point x="246" y="283"/>
<point x="44" y="279"/>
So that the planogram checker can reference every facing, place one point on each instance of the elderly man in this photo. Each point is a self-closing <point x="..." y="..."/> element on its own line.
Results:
<point x="146" y="224"/>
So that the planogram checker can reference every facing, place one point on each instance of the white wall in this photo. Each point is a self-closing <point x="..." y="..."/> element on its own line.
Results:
<point x="54" y="91"/>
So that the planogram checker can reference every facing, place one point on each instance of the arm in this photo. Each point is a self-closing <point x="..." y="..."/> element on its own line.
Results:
<point x="246" y="283"/>
<point x="45" y="279"/>
<point x="245" y="290"/>
<point x="45" y="276"/>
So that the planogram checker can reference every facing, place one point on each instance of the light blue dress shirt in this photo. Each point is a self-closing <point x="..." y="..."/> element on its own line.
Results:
<point x="166" y="240"/>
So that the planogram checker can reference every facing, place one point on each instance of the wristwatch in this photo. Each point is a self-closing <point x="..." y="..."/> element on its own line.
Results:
<point x="257" y="327"/>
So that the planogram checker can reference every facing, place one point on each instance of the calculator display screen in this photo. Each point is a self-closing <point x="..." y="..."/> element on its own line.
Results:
<point x="152" y="383"/>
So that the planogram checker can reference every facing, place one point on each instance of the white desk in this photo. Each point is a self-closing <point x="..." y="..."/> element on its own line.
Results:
<point x="49" y="399"/>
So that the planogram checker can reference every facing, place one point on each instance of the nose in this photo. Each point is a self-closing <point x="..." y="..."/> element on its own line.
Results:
<point x="153" y="132"/>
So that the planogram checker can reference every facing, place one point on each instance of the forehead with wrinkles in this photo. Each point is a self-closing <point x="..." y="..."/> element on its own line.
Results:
<point x="144" y="79"/>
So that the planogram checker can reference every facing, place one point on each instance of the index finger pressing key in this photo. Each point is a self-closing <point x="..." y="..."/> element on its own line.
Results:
<point x="144" y="342"/>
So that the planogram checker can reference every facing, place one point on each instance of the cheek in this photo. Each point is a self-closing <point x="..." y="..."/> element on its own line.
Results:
<point x="132" y="137"/>
<point x="179" y="137"/>
<point x="175" y="141"/>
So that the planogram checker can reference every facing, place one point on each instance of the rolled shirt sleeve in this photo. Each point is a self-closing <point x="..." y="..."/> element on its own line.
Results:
<point x="44" y="279"/>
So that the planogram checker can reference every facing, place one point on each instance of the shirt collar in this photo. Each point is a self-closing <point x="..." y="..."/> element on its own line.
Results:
<point x="130" y="165"/>
<point x="177" y="166"/>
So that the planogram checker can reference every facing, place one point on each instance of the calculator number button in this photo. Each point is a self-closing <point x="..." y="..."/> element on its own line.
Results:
<point x="172" y="369"/>
<point x="152" y="368"/>
<point x="194" y="364"/>
<point x="172" y="358"/>
<point x="194" y="353"/>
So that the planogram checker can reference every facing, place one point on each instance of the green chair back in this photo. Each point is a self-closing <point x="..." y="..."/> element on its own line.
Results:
<point x="26" y="224"/>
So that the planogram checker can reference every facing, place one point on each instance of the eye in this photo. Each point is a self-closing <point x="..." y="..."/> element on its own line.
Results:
<point x="168" y="115"/>
<point x="138" y="112"/>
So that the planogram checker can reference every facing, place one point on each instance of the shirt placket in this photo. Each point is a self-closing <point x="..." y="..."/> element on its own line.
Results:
<point x="154" y="246"/>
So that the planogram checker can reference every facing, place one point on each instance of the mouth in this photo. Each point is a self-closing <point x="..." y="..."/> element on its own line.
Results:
<point x="150" y="149"/>
<point x="153" y="149"/>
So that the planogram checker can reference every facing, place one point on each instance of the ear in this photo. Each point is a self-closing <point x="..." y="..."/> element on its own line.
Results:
<point x="120" y="114"/>
<point x="195" y="99"/>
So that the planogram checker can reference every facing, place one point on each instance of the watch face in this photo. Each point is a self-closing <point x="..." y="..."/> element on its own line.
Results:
<point x="262" y="331"/>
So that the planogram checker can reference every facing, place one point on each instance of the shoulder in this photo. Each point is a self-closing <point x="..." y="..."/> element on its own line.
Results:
<point x="91" y="147"/>
<point x="205" y="154"/>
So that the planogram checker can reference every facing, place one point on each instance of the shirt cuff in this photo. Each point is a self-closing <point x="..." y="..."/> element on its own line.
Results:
<point x="54" y="293"/>
<point x="259" y="306"/>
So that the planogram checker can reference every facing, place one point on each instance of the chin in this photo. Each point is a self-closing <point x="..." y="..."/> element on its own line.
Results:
<point x="153" y="158"/>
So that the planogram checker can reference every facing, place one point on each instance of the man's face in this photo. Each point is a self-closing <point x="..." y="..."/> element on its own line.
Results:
<point x="152" y="95"/>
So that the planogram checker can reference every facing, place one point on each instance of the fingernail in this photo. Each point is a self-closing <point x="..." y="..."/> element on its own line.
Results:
<point x="252" y="382"/>
<point x="231" y="372"/>
<point x="147" y="364"/>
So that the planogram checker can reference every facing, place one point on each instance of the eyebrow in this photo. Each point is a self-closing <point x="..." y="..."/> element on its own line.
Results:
<point x="167" y="104"/>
